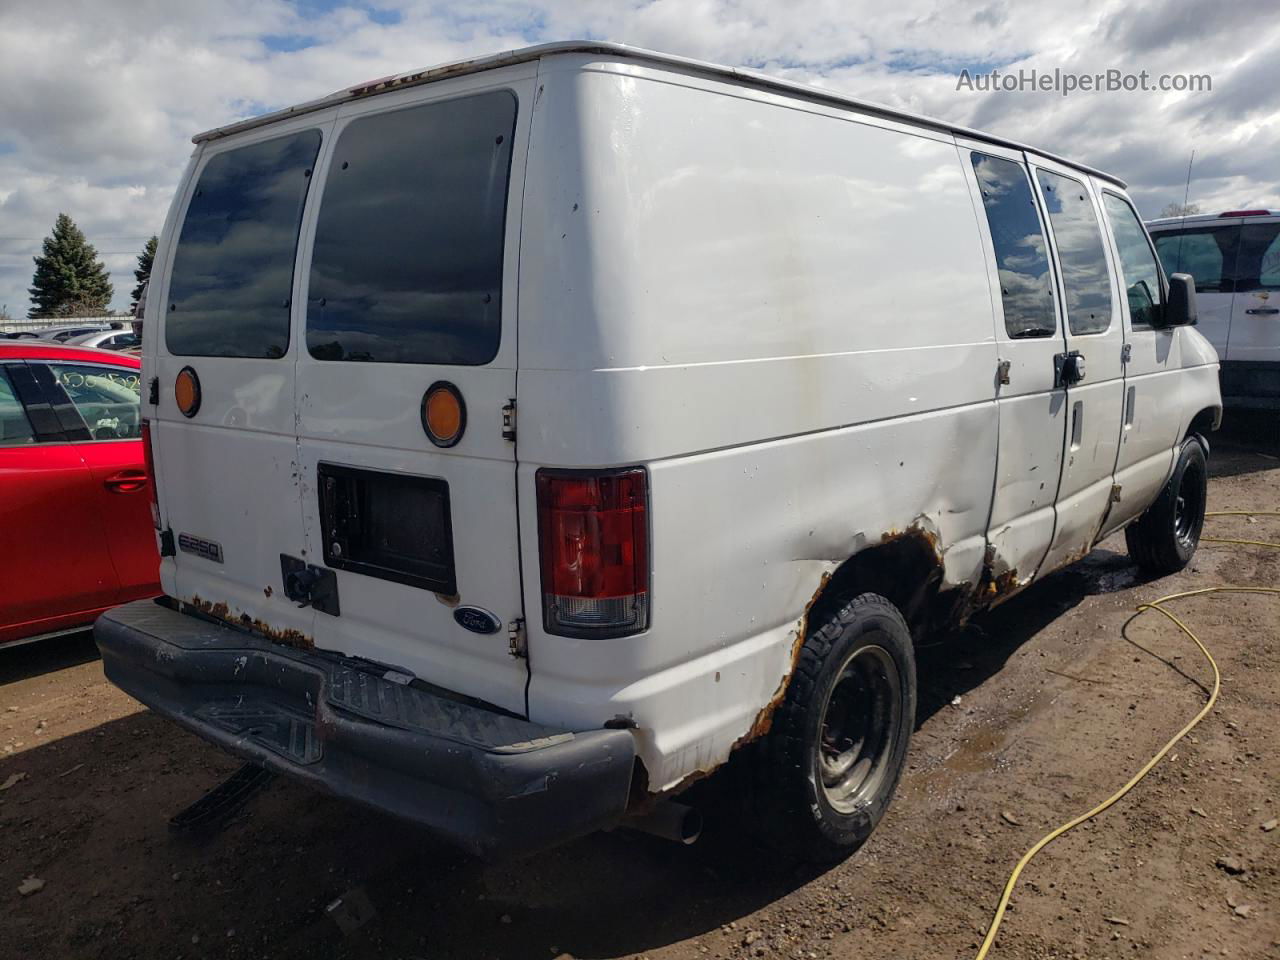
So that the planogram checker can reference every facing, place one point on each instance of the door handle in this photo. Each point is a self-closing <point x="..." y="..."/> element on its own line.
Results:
<point x="1068" y="368"/>
<point x="1268" y="311"/>
<point x="126" y="481"/>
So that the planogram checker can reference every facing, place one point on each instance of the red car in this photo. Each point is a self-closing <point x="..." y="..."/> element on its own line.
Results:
<point x="76" y="535"/>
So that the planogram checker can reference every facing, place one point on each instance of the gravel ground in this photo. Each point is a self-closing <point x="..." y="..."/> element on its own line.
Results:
<point x="1037" y="712"/>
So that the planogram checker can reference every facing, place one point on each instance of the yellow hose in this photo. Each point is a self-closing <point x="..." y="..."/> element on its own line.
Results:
<point x="1133" y="781"/>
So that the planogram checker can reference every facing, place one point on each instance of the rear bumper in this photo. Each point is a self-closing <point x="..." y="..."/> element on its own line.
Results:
<point x="493" y="784"/>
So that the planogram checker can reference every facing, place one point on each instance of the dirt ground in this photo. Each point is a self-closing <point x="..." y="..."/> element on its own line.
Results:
<point x="1037" y="712"/>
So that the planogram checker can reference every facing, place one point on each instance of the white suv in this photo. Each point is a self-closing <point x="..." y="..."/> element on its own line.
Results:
<point x="534" y="433"/>
<point x="1235" y="260"/>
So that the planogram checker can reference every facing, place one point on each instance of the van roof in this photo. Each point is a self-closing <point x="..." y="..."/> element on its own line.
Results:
<point x="751" y="78"/>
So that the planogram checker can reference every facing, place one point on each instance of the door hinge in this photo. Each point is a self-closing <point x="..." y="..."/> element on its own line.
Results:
<point x="509" y="420"/>
<point x="153" y="391"/>
<point x="1126" y="352"/>
<point x="1002" y="372"/>
<point x="1115" y="493"/>
<point x="517" y="642"/>
<point x="166" y="543"/>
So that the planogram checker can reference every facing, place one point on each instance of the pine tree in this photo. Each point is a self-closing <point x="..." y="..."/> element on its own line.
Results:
<point x="143" y="273"/>
<point x="69" y="279"/>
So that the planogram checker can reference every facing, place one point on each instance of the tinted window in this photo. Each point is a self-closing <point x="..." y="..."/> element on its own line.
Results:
<point x="1207" y="253"/>
<point x="407" y="265"/>
<point x="1259" y="266"/>
<point x="1081" y="257"/>
<point x="15" y="428"/>
<point x="1019" y="247"/>
<point x="233" y="269"/>
<point x="107" y="398"/>
<point x="1137" y="262"/>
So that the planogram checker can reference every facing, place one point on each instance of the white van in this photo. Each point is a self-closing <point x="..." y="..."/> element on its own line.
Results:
<point x="1235" y="259"/>
<point x="533" y="433"/>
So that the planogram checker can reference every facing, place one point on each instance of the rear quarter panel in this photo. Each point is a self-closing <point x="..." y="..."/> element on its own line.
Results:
<point x="784" y="312"/>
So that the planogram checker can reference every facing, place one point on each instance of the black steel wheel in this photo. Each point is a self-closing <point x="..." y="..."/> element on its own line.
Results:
<point x="826" y="771"/>
<point x="1164" y="539"/>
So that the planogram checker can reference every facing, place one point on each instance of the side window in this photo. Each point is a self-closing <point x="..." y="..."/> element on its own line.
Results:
<point x="1021" y="259"/>
<point x="107" y="398"/>
<point x="1259" y="265"/>
<point x="233" y="268"/>
<point x="1207" y="253"/>
<point x="1137" y="262"/>
<point x="1086" y="280"/>
<point x="407" y="266"/>
<point x="15" y="428"/>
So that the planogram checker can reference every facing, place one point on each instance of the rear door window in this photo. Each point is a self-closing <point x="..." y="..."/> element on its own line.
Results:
<point x="408" y="258"/>
<point x="233" y="269"/>
<point x="1021" y="258"/>
<point x="1081" y="256"/>
<point x="1259" y="265"/>
<point x="1137" y="262"/>
<point x="1207" y="253"/>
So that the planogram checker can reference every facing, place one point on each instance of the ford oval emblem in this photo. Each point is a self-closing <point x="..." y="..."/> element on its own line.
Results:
<point x="477" y="620"/>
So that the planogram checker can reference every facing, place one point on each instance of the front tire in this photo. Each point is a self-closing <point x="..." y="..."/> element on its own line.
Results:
<point x="838" y="743"/>
<point x="1164" y="539"/>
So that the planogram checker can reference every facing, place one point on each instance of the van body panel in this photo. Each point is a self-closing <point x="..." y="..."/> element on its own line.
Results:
<point x="727" y="305"/>
<point x="672" y="411"/>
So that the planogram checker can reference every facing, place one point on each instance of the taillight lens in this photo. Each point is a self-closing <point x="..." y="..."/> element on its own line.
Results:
<point x="150" y="461"/>
<point x="593" y="537"/>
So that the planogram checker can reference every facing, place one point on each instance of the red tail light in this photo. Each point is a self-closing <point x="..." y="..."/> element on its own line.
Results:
<point x="1245" y="213"/>
<point x="150" y="461"/>
<point x="593" y="538"/>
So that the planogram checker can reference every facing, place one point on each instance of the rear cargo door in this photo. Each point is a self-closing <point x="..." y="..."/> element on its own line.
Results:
<point x="412" y="292"/>
<point x="220" y="343"/>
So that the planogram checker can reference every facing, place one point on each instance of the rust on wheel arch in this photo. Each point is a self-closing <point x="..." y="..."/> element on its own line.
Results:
<point x="764" y="719"/>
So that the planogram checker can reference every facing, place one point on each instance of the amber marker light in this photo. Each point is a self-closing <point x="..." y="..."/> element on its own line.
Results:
<point x="186" y="391"/>
<point x="444" y="415"/>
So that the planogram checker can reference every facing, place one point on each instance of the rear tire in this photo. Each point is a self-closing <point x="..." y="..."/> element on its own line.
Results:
<point x="828" y="768"/>
<point x="1164" y="539"/>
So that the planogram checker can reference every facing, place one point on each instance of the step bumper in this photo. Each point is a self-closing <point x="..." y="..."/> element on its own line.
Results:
<point x="493" y="784"/>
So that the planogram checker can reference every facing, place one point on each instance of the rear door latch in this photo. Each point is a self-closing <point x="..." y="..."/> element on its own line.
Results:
<point x="310" y="586"/>
<point x="509" y="420"/>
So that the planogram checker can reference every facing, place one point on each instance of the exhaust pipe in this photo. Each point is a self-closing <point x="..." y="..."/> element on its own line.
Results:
<point x="670" y="821"/>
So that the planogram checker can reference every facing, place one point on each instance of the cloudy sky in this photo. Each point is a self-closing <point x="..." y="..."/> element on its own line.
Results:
<point x="99" y="98"/>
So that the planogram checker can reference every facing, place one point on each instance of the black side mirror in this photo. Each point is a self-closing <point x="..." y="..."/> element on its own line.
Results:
<point x="1180" y="311"/>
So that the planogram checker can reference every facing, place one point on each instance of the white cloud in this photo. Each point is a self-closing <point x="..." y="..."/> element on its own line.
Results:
<point x="101" y="96"/>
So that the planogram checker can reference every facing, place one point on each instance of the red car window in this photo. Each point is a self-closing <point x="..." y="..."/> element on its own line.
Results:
<point x="15" y="428"/>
